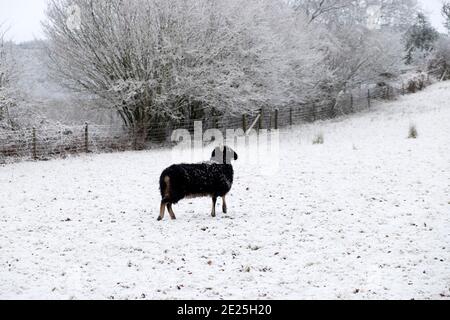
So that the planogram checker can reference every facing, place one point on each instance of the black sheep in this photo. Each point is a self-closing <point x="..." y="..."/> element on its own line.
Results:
<point x="210" y="179"/>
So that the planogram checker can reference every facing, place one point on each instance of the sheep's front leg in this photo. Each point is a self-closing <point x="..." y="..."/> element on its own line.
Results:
<point x="172" y="214"/>
<point x="214" y="201"/>
<point x="224" y="205"/>
<point x="162" y="211"/>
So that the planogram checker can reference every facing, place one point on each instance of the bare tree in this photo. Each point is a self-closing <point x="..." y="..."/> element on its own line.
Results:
<point x="316" y="9"/>
<point x="393" y="14"/>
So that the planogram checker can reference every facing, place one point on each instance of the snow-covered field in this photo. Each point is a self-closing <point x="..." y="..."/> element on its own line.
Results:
<point x="365" y="215"/>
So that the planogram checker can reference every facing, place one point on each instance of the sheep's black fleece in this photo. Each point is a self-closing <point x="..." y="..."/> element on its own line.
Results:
<point x="188" y="180"/>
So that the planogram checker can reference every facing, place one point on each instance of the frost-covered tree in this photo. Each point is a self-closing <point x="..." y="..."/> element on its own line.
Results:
<point x="396" y="15"/>
<point x="420" y="39"/>
<point x="361" y="40"/>
<point x="155" y="60"/>
<point x="321" y="10"/>
<point x="391" y="14"/>
<point x="446" y="15"/>
<point x="439" y="60"/>
<point x="6" y="72"/>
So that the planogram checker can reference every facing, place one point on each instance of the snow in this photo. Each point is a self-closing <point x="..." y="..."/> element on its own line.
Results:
<point x="366" y="215"/>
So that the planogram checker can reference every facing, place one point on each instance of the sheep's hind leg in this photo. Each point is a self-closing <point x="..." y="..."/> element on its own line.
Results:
<point x="171" y="213"/>
<point x="214" y="201"/>
<point x="224" y="205"/>
<point x="162" y="211"/>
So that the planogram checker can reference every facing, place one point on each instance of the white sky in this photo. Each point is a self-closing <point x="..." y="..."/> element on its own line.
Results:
<point x="23" y="17"/>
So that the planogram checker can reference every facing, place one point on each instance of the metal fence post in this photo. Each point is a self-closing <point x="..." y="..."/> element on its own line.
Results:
<point x="34" y="142"/>
<point x="368" y="98"/>
<point x="86" y="137"/>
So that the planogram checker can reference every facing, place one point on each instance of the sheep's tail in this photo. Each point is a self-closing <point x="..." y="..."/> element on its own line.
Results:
<point x="164" y="186"/>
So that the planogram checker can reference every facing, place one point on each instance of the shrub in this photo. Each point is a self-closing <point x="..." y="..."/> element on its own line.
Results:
<point x="413" y="134"/>
<point x="416" y="84"/>
<point x="319" y="139"/>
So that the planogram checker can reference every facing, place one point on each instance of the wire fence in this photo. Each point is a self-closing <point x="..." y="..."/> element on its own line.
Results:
<point x="46" y="143"/>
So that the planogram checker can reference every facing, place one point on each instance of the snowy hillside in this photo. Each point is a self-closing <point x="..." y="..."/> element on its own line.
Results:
<point x="365" y="215"/>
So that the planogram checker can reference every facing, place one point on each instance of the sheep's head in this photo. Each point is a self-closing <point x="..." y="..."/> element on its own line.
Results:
<point x="224" y="155"/>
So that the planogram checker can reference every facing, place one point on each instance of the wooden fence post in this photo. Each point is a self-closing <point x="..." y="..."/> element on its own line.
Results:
<point x="290" y="117"/>
<point x="368" y="98"/>
<point x="34" y="142"/>
<point x="269" y="126"/>
<point x="276" y="119"/>
<point x="86" y="137"/>
<point x="351" y="103"/>
<point x="244" y="123"/>
<point x="134" y="137"/>
<point x="216" y="122"/>
<point x="260" y="121"/>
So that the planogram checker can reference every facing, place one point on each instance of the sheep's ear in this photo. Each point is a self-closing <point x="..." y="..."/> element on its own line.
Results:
<point x="235" y="156"/>
<point x="213" y="155"/>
